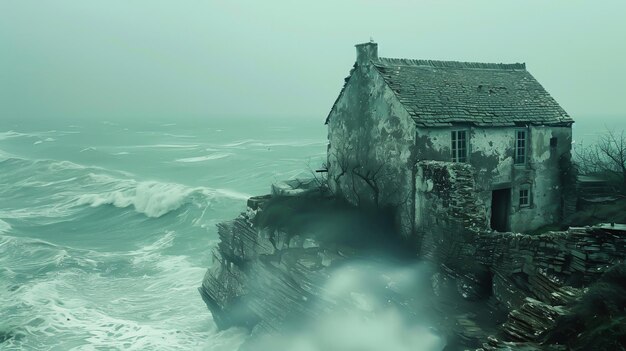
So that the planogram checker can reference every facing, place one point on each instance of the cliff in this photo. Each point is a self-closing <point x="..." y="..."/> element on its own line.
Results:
<point x="486" y="290"/>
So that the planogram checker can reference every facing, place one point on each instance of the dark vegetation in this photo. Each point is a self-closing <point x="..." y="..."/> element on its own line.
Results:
<point x="598" y="320"/>
<point x="606" y="158"/>
<point x="590" y="214"/>
<point x="334" y="222"/>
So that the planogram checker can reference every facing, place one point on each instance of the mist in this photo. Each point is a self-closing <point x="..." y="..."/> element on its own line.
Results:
<point x="365" y="316"/>
<point x="207" y="59"/>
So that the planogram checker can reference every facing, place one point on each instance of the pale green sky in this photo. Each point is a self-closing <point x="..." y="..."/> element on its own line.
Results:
<point x="153" y="58"/>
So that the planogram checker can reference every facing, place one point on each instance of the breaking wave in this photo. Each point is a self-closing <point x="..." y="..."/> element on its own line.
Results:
<point x="150" y="198"/>
<point x="202" y="158"/>
<point x="154" y="199"/>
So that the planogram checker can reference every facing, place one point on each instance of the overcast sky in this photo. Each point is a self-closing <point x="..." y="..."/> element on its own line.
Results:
<point x="168" y="59"/>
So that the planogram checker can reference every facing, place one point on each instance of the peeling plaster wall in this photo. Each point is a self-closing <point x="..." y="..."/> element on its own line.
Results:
<point x="372" y="136"/>
<point x="491" y="152"/>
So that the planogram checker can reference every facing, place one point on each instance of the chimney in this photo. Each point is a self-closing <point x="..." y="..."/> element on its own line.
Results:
<point x="366" y="52"/>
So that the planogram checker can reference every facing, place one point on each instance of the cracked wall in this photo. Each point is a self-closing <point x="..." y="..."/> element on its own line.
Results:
<point x="371" y="147"/>
<point x="491" y="153"/>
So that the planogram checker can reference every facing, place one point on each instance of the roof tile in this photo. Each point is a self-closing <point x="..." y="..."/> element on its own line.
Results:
<point x="468" y="92"/>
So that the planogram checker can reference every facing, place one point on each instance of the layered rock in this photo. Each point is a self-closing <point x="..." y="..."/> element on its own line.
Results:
<point x="269" y="270"/>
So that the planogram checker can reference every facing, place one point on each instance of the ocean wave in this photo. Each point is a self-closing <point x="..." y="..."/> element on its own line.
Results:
<point x="75" y="308"/>
<point x="166" y="146"/>
<point x="46" y="140"/>
<point x="259" y="143"/>
<point x="202" y="158"/>
<point x="4" y="227"/>
<point x="5" y="156"/>
<point x="12" y="134"/>
<point x="57" y="166"/>
<point x="152" y="198"/>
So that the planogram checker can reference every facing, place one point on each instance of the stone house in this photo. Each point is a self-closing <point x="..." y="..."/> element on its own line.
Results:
<point x="394" y="114"/>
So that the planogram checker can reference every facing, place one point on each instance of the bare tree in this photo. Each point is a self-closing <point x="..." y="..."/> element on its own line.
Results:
<point x="366" y="173"/>
<point x="606" y="157"/>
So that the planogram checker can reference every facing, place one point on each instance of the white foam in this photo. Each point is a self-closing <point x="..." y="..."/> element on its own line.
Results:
<point x="239" y="143"/>
<point x="202" y="158"/>
<point x="11" y="134"/>
<point x="179" y="135"/>
<point x="89" y="309"/>
<point x="37" y="142"/>
<point x="154" y="199"/>
<point x="236" y="195"/>
<point x="167" y="146"/>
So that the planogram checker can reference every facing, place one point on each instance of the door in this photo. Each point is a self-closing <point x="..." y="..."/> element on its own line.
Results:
<point x="500" y="209"/>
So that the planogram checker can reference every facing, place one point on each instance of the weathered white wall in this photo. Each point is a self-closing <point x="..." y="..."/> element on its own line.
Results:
<point x="372" y="136"/>
<point x="491" y="152"/>
<point x="374" y="146"/>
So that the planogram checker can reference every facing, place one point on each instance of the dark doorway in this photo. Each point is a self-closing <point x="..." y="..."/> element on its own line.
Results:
<point x="500" y="207"/>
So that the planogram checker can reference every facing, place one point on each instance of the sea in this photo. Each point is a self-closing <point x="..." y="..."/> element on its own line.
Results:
<point x="107" y="226"/>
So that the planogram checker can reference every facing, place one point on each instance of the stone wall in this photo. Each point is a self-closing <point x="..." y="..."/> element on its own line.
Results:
<point x="262" y="278"/>
<point x="453" y="224"/>
<point x="491" y="153"/>
<point x="531" y="277"/>
<point x="448" y="212"/>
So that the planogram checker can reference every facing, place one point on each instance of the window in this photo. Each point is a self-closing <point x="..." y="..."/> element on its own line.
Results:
<point x="553" y="142"/>
<point x="520" y="146"/>
<point x="459" y="146"/>
<point x="524" y="198"/>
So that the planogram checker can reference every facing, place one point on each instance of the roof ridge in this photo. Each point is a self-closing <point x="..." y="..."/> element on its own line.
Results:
<point x="449" y="64"/>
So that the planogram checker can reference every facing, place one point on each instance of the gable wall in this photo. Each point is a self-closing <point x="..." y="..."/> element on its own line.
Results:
<point x="491" y="152"/>
<point x="372" y="136"/>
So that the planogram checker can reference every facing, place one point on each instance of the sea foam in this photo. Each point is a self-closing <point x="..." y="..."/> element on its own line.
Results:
<point x="202" y="158"/>
<point x="152" y="198"/>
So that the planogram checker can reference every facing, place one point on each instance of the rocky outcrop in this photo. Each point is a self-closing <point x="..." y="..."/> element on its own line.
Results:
<point x="495" y="291"/>
<point x="258" y="273"/>
<point x="268" y="275"/>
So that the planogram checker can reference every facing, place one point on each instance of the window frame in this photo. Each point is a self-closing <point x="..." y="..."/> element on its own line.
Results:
<point x="527" y="196"/>
<point x="454" y="145"/>
<point x="520" y="159"/>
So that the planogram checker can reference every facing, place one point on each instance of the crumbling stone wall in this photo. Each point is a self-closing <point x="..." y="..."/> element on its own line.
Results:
<point x="448" y="212"/>
<point x="454" y="231"/>
<point x="491" y="152"/>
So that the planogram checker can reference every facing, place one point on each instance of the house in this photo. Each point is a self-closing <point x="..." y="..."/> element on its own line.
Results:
<point x="392" y="114"/>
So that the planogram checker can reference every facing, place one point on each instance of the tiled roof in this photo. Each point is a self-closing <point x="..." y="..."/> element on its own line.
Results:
<point x="439" y="93"/>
